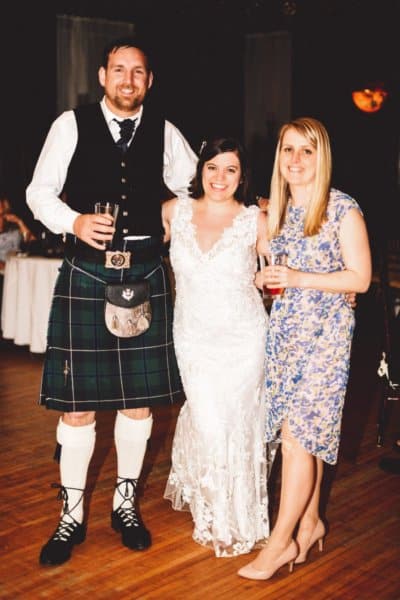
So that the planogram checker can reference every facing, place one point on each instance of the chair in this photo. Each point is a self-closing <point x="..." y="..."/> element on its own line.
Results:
<point x="389" y="366"/>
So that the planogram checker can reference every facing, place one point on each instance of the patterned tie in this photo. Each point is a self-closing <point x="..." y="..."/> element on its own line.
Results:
<point x="127" y="127"/>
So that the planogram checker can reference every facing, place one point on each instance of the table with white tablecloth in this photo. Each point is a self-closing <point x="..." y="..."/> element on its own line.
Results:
<point x="27" y="294"/>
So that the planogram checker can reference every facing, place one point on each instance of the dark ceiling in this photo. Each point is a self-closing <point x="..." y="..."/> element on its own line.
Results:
<point x="253" y="15"/>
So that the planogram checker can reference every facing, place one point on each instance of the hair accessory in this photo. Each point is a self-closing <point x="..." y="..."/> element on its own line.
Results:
<point x="203" y="144"/>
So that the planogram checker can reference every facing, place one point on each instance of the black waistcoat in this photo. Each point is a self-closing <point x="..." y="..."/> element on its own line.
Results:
<point x="98" y="172"/>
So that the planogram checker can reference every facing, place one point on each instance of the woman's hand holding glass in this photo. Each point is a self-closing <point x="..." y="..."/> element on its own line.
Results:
<point x="272" y="279"/>
<point x="275" y="275"/>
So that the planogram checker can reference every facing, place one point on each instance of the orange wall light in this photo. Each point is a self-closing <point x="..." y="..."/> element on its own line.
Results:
<point x="369" y="100"/>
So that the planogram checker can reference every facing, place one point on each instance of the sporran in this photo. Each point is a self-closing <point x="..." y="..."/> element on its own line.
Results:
<point x="127" y="308"/>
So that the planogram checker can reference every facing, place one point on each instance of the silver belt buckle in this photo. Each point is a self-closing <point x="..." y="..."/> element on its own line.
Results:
<point x="115" y="259"/>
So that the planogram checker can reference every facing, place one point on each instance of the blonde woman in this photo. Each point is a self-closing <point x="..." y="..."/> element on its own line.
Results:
<point x="323" y="232"/>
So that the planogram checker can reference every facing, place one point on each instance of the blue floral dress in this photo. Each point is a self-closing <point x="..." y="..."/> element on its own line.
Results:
<point x="309" y="338"/>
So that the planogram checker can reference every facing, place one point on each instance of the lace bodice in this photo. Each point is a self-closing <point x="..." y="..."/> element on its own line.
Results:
<point x="219" y="282"/>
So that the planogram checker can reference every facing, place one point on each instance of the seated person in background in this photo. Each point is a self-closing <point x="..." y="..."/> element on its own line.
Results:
<point x="12" y="231"/>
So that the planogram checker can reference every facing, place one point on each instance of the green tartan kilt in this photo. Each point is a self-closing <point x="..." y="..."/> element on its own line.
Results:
<point x="87" y="368"/>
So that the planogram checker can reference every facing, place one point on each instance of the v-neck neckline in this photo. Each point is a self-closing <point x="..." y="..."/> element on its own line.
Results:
<point x="220" y="238"/>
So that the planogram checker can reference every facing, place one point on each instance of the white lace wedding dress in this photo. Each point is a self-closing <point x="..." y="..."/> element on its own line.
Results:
<point x="219" y="467"/>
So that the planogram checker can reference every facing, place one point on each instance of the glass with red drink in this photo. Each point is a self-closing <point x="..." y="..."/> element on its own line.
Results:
<point x="274" y="258"/>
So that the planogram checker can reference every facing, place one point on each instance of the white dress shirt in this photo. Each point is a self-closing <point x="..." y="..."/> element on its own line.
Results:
<point x="42" y="194"/>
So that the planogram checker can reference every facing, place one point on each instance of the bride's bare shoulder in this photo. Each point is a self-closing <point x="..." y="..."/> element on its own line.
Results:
<point x="168" y="208"/>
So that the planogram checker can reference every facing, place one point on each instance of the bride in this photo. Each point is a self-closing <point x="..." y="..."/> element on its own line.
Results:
<point x="219" y="464"/>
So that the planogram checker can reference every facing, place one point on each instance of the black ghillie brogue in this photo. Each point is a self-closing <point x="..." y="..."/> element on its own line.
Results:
<point x="126" y="520"/>
<point x="68" y="533"/>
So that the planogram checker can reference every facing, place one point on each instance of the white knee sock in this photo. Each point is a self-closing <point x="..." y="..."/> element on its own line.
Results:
<point x="77" y="445"/>
<point x="130" y="437"/>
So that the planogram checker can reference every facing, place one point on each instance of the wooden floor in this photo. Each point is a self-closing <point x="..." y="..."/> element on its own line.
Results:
<point x="360" y="560"/>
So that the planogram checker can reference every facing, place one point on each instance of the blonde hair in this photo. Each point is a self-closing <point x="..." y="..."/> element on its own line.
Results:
<point x="317" y="136"/>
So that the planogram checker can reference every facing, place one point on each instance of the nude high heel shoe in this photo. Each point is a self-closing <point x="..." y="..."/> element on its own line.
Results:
<point x="317" y="536"/>
<point x="287" y="557"/>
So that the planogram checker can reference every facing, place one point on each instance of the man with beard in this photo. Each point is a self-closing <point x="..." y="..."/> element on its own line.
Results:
<point x="117" y="151"/>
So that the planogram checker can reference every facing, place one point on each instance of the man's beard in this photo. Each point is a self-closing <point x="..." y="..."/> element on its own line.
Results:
<point x="128" y="104"/>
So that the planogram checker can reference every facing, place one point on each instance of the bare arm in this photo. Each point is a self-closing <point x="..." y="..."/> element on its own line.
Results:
<point x="355" y="277"/>
<point x="167" y="211"/>
<point x="262" y="245"/>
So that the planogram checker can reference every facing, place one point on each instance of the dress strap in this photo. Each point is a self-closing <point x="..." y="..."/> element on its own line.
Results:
<point x="183" y="211"/>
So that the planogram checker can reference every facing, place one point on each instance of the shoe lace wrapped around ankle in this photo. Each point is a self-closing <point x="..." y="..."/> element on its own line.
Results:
<point x="65" y="527"/>
<point x="128" y="494"/>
